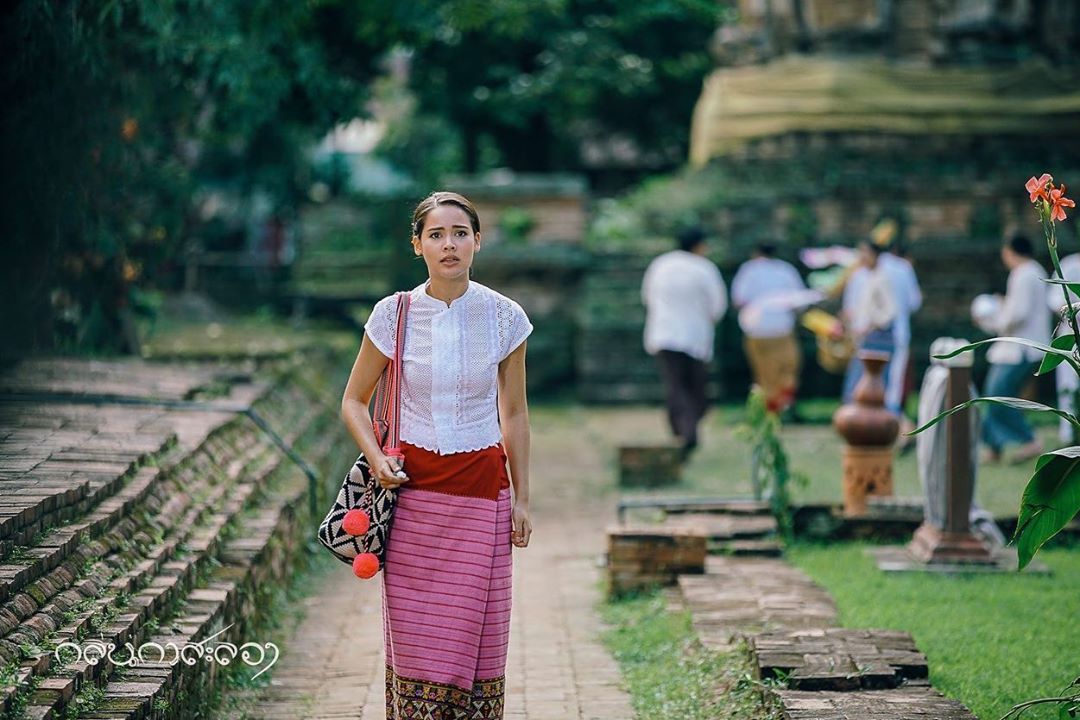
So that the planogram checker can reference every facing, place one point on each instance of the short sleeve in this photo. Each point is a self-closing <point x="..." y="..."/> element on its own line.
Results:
<point x="512" y="326"/>
<point x="381" y="325"/>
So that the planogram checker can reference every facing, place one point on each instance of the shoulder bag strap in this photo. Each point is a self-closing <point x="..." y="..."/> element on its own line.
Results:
<point x="392" y="442"/>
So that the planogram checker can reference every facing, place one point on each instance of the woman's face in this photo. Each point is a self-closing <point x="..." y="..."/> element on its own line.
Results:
<point x="447" y="242"/>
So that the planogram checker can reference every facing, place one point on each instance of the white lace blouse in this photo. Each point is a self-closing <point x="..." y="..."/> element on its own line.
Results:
<point x="450" y="364"/>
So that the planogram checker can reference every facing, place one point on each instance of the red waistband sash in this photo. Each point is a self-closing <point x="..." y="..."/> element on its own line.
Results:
<point x="479" y="473"/>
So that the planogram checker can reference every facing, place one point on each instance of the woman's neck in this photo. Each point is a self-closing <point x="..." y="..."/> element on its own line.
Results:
<point x="447" y="290"/>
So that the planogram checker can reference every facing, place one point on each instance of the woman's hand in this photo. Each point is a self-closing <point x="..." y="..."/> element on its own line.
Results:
<point x="385" y="470"/>
<point x="522" y="529"/>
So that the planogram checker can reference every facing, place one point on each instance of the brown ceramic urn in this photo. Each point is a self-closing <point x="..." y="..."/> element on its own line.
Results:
<point x="869" y="431"/>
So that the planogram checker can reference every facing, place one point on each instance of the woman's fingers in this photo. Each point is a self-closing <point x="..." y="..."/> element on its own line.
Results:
<point x="389" y="476"/>
<point x="521" y="532"/>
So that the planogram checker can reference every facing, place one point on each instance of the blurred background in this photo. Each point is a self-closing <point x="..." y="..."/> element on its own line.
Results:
<point x="195" y="158"/>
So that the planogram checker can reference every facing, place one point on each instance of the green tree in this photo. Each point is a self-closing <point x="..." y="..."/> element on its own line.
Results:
<point x="538" y="79"/>
<point x="118" y="111"/>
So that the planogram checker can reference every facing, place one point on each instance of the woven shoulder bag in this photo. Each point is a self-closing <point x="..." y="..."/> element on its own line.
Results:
<point x="357" y="526"/>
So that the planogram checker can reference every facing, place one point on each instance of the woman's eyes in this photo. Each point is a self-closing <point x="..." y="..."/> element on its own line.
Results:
<point x="437" y="235"/>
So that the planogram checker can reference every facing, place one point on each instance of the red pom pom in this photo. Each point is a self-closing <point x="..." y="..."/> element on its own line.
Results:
<point x="365" y="565"/>
<point x="356" y="522"/>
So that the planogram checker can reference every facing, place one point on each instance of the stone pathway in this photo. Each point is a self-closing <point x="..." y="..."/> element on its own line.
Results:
<point x="789" y="622"/>
<point x="744" y="596"/>
<point x="839" y="659"/>
<point x="333" y="667"/>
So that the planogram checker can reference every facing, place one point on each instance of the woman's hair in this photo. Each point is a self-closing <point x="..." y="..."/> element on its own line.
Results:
<point x="443" y="197"/>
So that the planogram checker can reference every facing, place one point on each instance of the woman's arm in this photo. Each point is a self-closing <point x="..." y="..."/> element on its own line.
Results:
<point x="369" y="365"/>
<point x="514" y="422"/>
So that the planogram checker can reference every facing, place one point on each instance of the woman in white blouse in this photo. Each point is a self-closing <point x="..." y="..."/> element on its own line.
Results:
<point x="464" y="418"/>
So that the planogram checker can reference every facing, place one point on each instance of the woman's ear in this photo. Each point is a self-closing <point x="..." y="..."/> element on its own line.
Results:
<point x="477" y="236"/>
<point x="416" y="245"/>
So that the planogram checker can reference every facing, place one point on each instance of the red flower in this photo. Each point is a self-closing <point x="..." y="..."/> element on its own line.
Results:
<point x="1037" y="187"/>
<point x="1058" y="203"/>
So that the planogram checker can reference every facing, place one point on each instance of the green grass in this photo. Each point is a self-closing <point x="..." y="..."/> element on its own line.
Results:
<point x="669" y="673"/>
<point x="991" y="641"/>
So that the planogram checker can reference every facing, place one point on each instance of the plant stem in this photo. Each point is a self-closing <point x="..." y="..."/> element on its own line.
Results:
<point x="1050" y="231"/>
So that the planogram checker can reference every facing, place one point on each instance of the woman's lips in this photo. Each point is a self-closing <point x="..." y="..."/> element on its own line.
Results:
<point x="449" y="261"/>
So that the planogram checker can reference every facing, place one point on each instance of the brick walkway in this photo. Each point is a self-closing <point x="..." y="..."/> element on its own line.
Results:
<point x="557" y="669"/>
<point x="789" y="623"/>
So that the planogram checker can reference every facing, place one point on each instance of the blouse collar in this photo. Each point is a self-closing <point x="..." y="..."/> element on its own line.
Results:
<point x="421" y="295"/>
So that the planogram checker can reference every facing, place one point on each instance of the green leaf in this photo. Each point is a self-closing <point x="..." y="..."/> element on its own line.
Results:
<point x="1065" y="355"/>
<point x="1051" y="499"/>
<point x="1012" y="402"/>
<point x="1049" y="362"/>
<point x="1071" y="284"/>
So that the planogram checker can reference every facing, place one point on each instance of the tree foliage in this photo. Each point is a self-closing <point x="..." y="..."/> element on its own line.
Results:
<point x="539" y="78"/>
<point x="118" y="111"/>
<point x="121" y="116"/>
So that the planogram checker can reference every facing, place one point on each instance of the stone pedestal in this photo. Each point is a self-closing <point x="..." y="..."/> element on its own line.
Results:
<point x="867" y="471"/>
<point x="945" y="536"/>
<point x="934" y="545"/>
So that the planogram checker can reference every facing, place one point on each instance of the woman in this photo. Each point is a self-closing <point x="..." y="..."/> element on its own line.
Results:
<point x="869" y="310"/>
<point x="447" y="574"/>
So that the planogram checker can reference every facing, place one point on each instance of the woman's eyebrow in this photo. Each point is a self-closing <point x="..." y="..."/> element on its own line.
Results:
<point x="440" y="227"/>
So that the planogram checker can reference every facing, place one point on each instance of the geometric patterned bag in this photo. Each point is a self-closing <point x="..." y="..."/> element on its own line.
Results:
<point x="357" y="526"/>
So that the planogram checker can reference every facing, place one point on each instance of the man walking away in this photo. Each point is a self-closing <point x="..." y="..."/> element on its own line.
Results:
<point x="768" y="325"/>
<point x="1023" y="314"/>
<point x="684" y="297"/>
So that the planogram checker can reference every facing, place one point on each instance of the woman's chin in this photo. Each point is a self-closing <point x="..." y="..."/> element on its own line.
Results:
<point x="456" y="271"/>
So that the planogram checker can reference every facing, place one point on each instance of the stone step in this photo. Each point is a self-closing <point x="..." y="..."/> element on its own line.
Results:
<point x="671" y="505"/>
<point x="139" y="541"/>
<point x="908" y="703"/>
<point x="122" y="376"/>
<point x="741" y="596"/>
<point x="719" y="527"/>
<point x="220" y="603"/>
<point x="62" y="486"/>
<point x="56" y="545"/>
<point x="839" y="658"/>
<point x="174" y="575"/>
<point x="106" y="519"/>
<point x="154" y="580"/>
<point x="748" y="548"/>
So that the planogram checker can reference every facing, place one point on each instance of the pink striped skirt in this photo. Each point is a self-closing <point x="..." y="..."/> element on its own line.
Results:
<point x="446" y="606"/>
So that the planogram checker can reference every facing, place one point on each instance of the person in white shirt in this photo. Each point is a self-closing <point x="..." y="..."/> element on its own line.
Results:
<point x="906" y="300"/>
<point x="1065" y="377"/>
<point x="684" y="297"/>
<point x="460" y="475"/>
<point x="1023" y="314"/>
<point x="768" y="325"/>
<point x="869" y="311"/>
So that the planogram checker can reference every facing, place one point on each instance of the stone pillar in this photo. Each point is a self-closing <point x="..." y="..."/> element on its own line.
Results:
<point x="869" y="431"/>
<point x="945" y="536"/>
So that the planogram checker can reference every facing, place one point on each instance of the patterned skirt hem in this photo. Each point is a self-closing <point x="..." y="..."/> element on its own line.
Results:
<point x="412" y="699"/>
